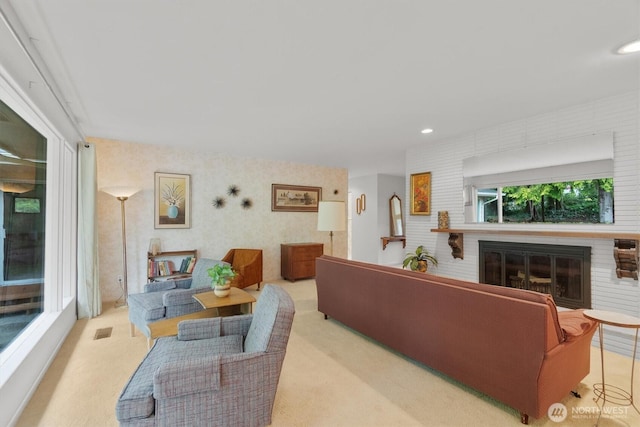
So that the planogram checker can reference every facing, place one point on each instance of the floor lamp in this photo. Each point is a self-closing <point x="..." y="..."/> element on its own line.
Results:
<point x="331" y="217"/>
<point x="122" y="194"/>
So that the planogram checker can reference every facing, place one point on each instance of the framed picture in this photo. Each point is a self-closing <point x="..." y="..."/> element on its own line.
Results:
<point x="295" y="198"/>
<point x="172" y="200"/>
<point x="421" y="193"/>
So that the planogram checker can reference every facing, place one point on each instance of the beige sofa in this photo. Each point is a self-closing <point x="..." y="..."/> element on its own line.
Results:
<point x="510" y="344"/>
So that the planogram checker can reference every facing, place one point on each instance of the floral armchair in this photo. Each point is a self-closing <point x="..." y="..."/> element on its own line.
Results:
<point x="221" y="371"/>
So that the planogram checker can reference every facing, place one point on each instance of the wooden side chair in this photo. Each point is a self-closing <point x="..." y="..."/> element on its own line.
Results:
<point x="247" y="263"/>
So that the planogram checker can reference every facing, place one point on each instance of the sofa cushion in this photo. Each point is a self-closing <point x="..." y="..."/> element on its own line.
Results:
<point x="136" y="400"/>
<point x="157" y="286"/>
<point x="200" y="278"/>
<point x="574" y="324"/>
<point x="492" y="289"/>
<point x="522" y="294"/>
<point x="148" y="306"/>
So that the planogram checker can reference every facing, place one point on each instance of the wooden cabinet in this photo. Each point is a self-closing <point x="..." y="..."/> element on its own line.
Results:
<point x="170" y="264"/>
<point x="298" y="260"/>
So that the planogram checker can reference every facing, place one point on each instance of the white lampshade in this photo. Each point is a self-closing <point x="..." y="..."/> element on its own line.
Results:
<point x="121" y="191"/>
<point x="331" y="216"/>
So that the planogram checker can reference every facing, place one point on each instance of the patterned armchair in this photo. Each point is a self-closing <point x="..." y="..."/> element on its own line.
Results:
<point x="222" y="371"/>
<point x="247" y="263"/>
<point x="170" y="298"/>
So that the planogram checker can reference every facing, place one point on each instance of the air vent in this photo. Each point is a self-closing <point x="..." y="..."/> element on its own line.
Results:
<point x="102" y="333"/>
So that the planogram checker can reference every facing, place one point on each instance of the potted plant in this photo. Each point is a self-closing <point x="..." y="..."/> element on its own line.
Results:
<point x="418" y="260"/>
<point x="221" y="275"/>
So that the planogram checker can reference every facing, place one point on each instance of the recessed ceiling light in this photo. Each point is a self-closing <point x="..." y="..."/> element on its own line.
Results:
<point x="427" y="130"/>
<point x="630" y="47"/>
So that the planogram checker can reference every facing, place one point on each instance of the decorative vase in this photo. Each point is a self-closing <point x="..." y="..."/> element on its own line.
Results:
<point x="443" y="220"/>
<point x="222" y="290"/>
<point x="422" y="266"/>
<point x="172" y="211"/>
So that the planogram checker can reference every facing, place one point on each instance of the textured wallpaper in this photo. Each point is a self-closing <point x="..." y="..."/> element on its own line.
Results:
<point x="213" y="231"/>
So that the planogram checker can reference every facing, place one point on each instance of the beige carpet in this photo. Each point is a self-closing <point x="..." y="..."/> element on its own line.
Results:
<point x="332" y="376"/>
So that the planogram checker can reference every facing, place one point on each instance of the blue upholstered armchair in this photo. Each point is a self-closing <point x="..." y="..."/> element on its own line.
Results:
<point x="171" y="298"/>
<point x="221" y="371"/>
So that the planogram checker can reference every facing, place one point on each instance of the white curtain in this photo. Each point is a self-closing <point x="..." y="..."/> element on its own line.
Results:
<point x="89" y="298"/>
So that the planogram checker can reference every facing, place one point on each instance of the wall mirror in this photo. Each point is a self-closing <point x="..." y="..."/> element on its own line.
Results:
<point x="395" y="213"/>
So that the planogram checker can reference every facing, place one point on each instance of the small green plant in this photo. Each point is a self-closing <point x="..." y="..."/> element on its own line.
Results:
<point x="220" y="273"/>
<point x="418" y="260"/>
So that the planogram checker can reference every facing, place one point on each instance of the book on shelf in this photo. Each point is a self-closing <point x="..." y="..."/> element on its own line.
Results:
<point x="183" y="267"/>
<point x="172" y="265"/>
<point x="192" y="263"/>
<point x="186" y="263"/>
<point x="160" y="268"/>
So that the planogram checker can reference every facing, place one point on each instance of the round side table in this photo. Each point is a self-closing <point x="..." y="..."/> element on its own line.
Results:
<point x="604" y="391"/>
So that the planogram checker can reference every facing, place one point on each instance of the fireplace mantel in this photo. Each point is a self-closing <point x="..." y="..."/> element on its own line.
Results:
<point x="548" y="233"/>
<point x="626" y="244"/>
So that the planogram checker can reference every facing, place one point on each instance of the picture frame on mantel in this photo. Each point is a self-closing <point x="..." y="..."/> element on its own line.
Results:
<point x="172" y="200"/>
<point x="295" y="198"/>
<point x="421" y="193"/>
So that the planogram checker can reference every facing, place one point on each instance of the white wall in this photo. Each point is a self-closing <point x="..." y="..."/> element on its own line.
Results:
<point x="373" y="223"/>
<point x="388" y="186"/>
<point x="618" y="114"/>
<point x="213" y="231"/>
<point x="364" y="227"/>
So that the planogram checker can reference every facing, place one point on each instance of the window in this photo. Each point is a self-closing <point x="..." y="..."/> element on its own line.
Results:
<point x="586" y="201"/>
<point x="23" y="170"/>
<point x="565" y="181"/>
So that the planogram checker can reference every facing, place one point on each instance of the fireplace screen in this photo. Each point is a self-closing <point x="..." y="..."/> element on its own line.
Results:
<point x="561" y="271"/>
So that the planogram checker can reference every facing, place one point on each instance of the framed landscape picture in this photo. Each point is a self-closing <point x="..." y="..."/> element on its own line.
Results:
<point x="172" y="200"/>
<point x="295" y="198"/>
<point x="421" y="193"/>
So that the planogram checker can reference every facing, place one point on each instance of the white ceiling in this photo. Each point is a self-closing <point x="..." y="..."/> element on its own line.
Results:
<point x="341" y="83"/>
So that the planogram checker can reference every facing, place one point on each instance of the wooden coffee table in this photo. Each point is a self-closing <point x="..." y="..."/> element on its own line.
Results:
<point x="238" y="302"/>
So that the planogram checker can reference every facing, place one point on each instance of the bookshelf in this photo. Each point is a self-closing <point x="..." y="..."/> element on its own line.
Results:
<point x="170" y="264"/>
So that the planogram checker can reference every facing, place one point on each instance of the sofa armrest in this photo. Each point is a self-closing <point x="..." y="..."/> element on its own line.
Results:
<point x="214" y="327"/>
<point x="165" y="285"/>
<point x="186" y="377"/>
<point x="181" y="296"/>
<point x="574" y="324"/>
<point x="159" y="286"/>
<point x="183" y="282"/>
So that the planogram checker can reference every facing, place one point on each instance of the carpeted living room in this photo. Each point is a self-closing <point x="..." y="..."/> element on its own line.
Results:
<point x="495" y="142"/>
<point x="332" y="376"/>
